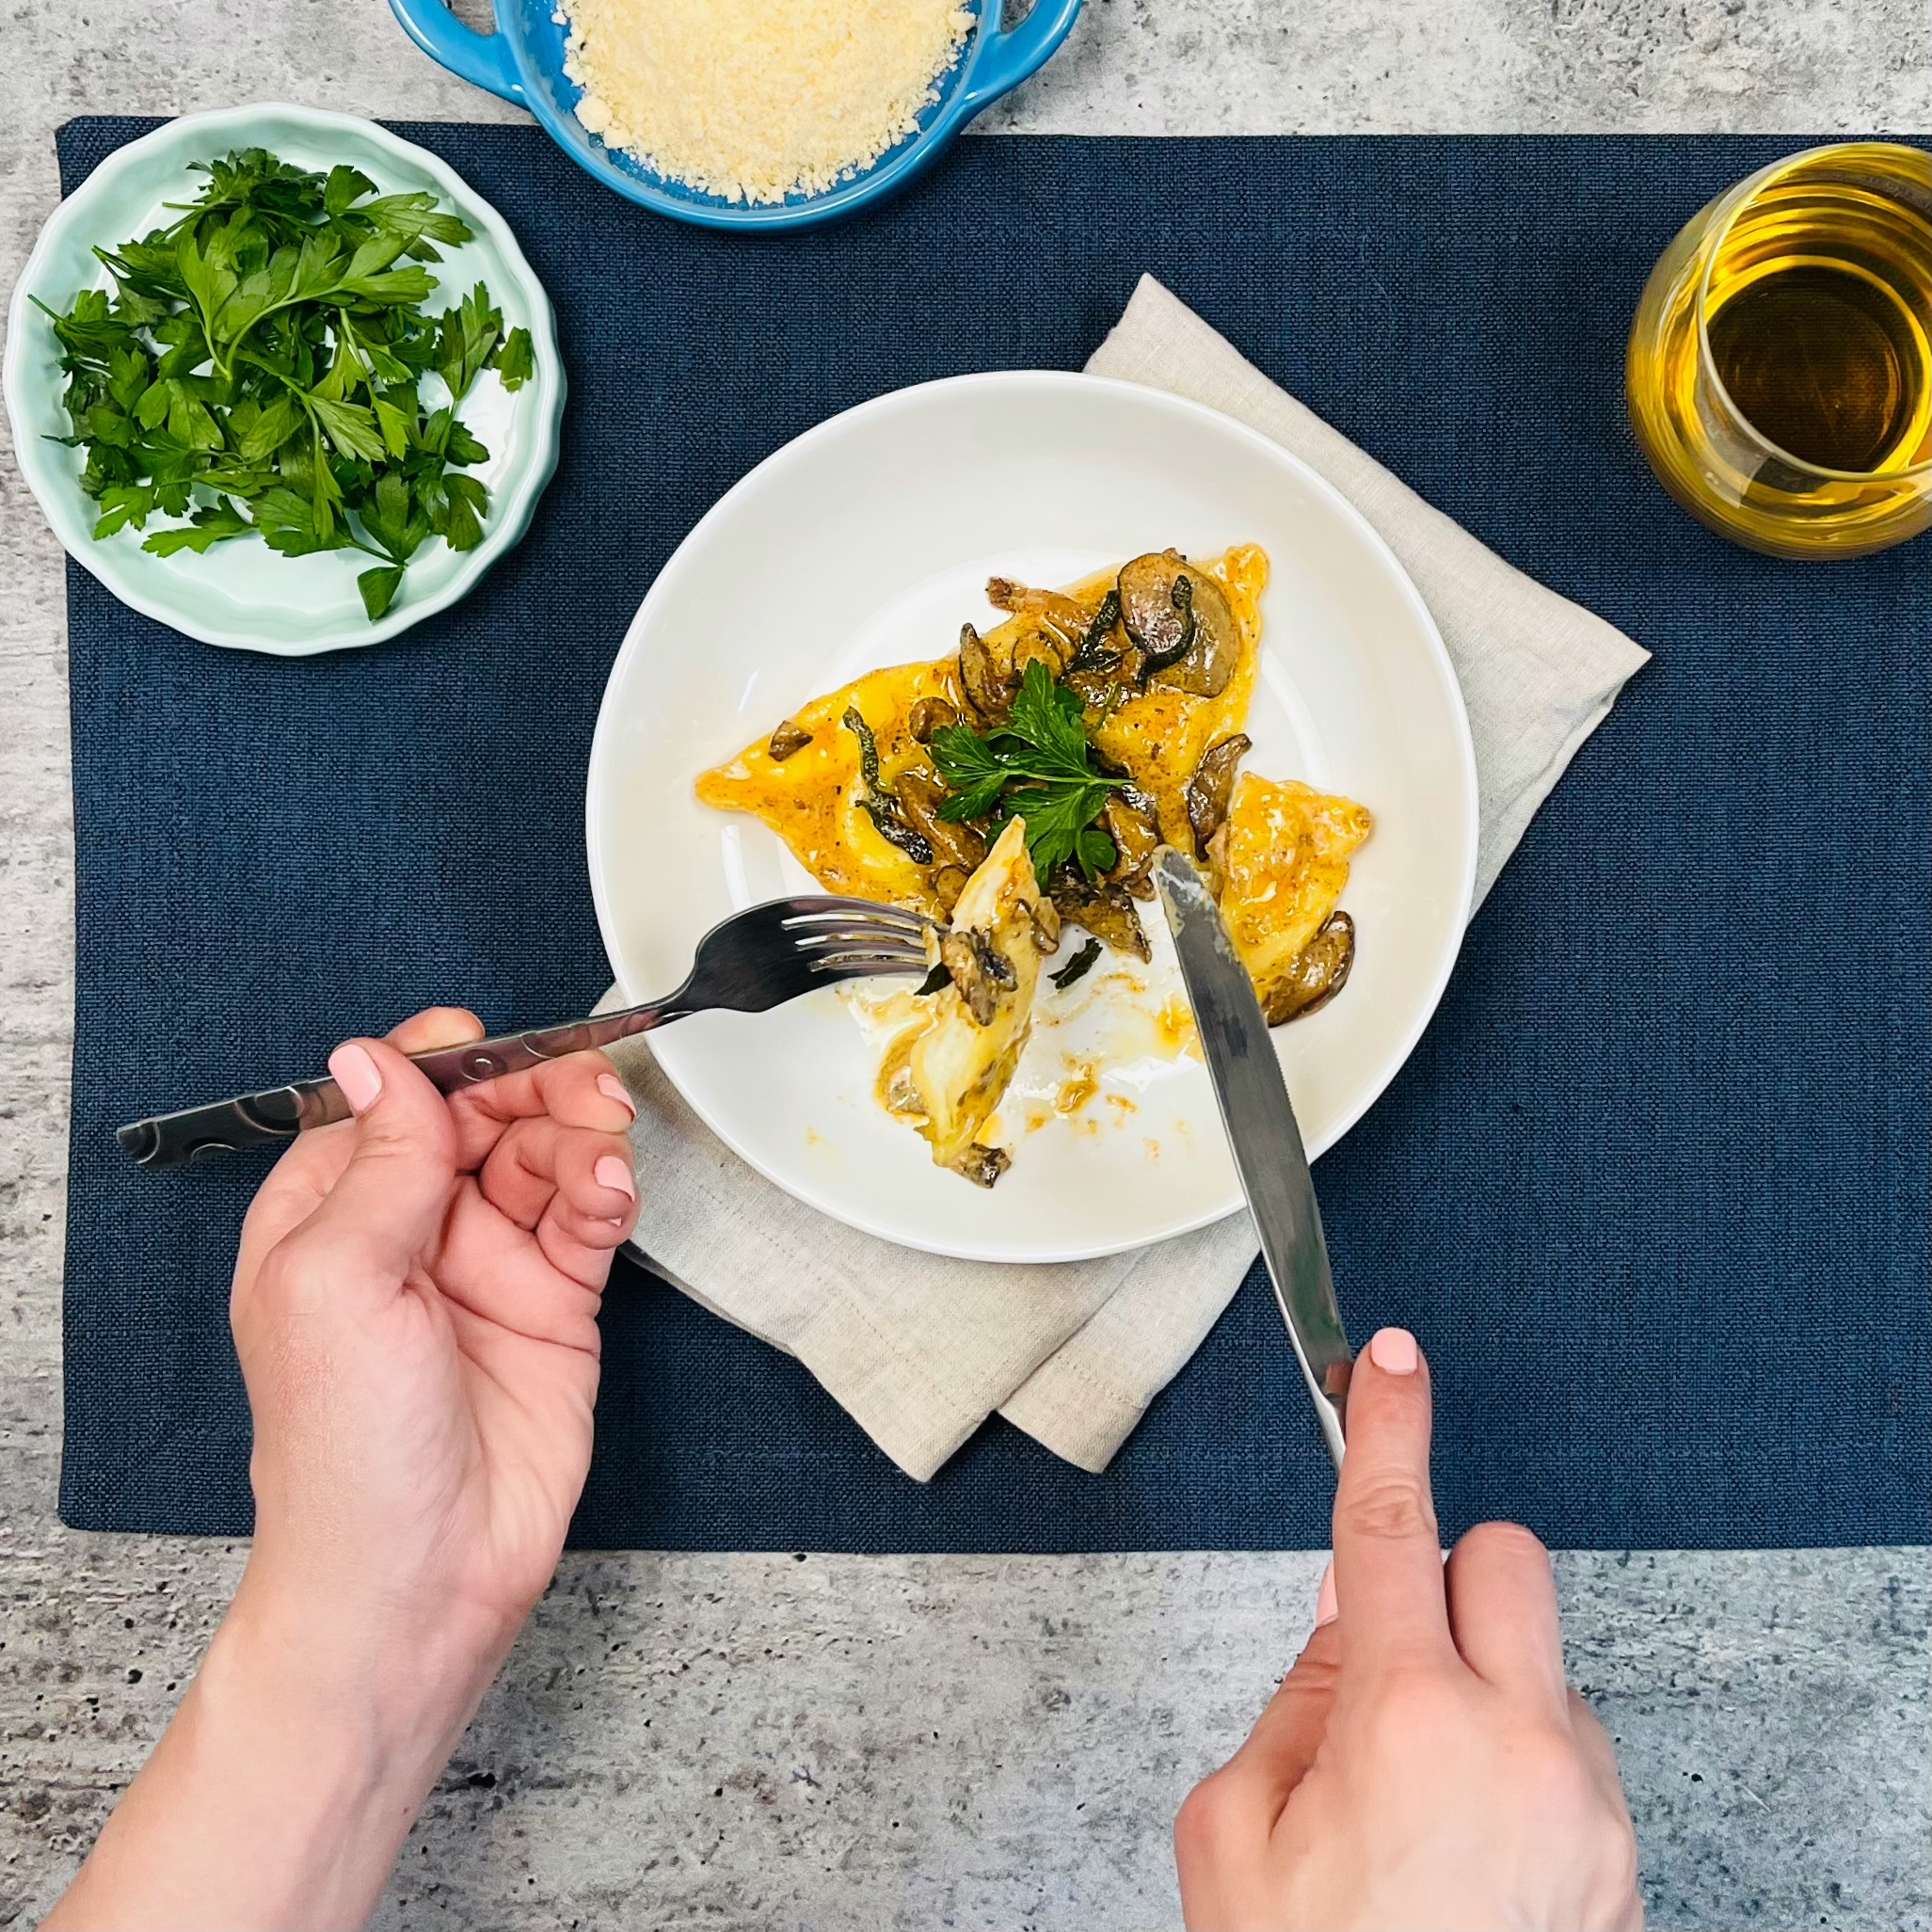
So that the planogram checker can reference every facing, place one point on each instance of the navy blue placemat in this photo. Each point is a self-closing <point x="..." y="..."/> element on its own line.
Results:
<point x="1654" y="1189"/>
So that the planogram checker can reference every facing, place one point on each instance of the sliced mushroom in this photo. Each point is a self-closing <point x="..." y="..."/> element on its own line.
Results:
<point x="989" y="688"/>
<point x="1131" y="824"/>
<point x="1217" y="856"/>
<point x="1319" y="973"/>
<point x="1212" y="786"/>
<point x="982" y="1166"/>
<point x="789" y="737"/>
<point x="1106" y="911"/>
<point x="930" y="716"/>
<point x="1182" y="621"/>
<point x="920" y="795"/>
<point x="949" y="882"/>
<point x="983" y="973"/>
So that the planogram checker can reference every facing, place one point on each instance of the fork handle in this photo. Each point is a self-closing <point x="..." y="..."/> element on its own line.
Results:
<point x="280" y="1114"/>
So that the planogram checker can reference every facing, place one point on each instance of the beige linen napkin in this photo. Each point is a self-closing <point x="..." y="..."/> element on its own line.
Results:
<point x="920" y="1351"/>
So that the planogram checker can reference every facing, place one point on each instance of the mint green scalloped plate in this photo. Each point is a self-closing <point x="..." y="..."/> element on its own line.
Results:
<point x="242" y="595"/>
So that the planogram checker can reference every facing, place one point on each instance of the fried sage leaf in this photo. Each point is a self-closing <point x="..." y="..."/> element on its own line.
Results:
<point x="1079" y="966"/>
<point x="868" y="752"/>
<point x="895" y="830"/>
<point x="1093" y="654"/>
<point x="881" y="804"/>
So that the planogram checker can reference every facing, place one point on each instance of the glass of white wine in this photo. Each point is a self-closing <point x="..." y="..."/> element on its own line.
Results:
<point x="1779" y="373"/>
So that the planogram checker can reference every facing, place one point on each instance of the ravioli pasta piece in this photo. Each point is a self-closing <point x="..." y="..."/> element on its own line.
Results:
<point x="950" y="1054"/>
<point x="1283" y="862"/>
<point x="962" y="1064"/>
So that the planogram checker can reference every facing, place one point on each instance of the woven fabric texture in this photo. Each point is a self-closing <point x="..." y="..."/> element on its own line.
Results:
<point x="1654" y="1188"/>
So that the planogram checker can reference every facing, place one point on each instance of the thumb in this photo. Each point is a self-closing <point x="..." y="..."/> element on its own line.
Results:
<point x="389" y="1203"/>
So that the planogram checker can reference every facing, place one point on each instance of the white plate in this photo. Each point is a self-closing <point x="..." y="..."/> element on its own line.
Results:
<point x="866" y="542"/>
<point x="242" y="594"/>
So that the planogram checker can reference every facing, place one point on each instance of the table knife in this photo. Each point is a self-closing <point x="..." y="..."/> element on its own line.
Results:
<point x="1261" y="1129"/>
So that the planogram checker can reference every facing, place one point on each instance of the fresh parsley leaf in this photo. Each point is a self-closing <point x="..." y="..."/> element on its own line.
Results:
<point x="188" y="421"/>
<point x="378" y="588"/>
<point x="1049" y="717"/>
<point x="1038" y="766"/>
<point x="515" y="358"/>
<point x="350" y="427"/>
<point x="393" y="427"/>
<point x="271" y="424"/>
<point x="469" y="332"/>
<point x="463" y="448"/>
<point x="972" y="770"/>
<point x="345" y="188"/>
<point x="416" y="218"/>
<point x="122" y="504"/>
<point x="389" y="518"/>
<point x="457" y="511"/>
<point x="288" y="524"/>
<point x="255" y="368"/>
<point x="209" y="286"/>
<point x="107" y="425"/>
<point x="127" y="373"/>
<point x="206" y="529"/>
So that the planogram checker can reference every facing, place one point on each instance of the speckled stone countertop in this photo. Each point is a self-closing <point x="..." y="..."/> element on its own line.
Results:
<point x="762" y="1742"/>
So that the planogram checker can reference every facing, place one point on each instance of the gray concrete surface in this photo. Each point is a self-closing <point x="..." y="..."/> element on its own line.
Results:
<point x="750" y="1741"/>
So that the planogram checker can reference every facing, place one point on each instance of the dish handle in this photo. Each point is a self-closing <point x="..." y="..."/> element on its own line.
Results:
<point x="1006" y="56"/>
<point x="484" y="60"/>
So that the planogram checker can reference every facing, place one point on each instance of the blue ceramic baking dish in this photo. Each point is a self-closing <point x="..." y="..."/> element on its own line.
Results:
<point x="523" y="61"/>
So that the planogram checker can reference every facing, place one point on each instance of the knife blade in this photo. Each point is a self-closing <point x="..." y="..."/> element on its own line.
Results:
<point x="1262" y="1130"/>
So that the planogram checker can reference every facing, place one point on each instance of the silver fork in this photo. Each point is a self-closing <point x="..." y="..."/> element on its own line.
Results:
<point x="755" y="960"/>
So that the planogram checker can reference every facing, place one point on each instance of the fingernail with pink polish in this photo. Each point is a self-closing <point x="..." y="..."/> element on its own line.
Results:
<point x="612" y="1173"/>
<point x="1394" y="1351"/>
<point x="610" y="1084"/>
<point x="1326" y="1608"/>
<point x="356" y="1075"/>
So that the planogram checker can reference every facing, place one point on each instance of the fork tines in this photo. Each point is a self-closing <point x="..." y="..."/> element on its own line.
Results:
<point x="840" y="937"/>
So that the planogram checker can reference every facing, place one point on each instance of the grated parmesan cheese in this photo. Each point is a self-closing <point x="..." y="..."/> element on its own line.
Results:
<point x="755" y="100"/>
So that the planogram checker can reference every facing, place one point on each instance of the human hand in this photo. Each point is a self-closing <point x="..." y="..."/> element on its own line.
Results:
<point x="1423" y="1765"/>
<point x="415" y="1309"/>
